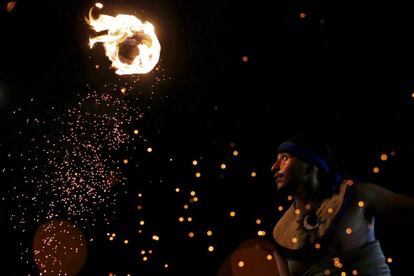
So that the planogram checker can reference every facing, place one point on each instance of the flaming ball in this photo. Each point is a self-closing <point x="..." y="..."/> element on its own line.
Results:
<point x="130" y="44"/>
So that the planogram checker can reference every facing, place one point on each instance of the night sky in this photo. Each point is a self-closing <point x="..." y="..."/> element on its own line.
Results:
<point x="125" y="157"/>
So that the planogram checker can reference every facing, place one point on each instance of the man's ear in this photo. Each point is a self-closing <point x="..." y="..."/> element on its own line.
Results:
<point x="312" y="169"/>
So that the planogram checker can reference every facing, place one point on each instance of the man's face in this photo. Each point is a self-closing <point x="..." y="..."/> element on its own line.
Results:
<point x="289" y="172"/>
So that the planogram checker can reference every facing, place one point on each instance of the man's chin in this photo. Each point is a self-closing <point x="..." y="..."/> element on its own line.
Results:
<point x="282" y="187"/>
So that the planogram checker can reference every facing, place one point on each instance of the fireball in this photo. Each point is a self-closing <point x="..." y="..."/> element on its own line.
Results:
<point x="130" y="44"/>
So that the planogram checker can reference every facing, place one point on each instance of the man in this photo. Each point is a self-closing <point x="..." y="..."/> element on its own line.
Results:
<point x="329" y="228"/>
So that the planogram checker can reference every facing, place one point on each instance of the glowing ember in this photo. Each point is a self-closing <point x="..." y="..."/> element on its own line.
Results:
<point x="130" y="44"/>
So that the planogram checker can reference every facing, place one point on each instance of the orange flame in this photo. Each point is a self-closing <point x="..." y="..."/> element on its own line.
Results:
<point x="130" y="44"/>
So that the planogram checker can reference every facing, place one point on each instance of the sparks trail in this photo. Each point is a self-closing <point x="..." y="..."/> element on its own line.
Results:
<point x="73" y="173"/>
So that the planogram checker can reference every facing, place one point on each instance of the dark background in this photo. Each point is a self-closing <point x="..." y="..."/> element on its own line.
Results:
<point x="345" y="71"/>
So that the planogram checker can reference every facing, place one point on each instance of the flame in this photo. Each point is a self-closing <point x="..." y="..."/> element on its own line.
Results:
<point x="130" y="44"/>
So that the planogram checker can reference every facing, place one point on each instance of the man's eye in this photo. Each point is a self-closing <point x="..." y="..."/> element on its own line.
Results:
<point x="284" y="157"/>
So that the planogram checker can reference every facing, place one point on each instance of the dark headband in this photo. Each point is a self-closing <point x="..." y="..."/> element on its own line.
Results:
<point x="304" y="154"/>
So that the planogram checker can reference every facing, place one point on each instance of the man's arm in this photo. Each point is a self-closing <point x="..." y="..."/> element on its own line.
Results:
<point x="386" y="203"/>
<point x="282" y="264"/>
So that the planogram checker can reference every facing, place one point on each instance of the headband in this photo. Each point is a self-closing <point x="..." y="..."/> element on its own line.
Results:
<point x="304" y="154"/>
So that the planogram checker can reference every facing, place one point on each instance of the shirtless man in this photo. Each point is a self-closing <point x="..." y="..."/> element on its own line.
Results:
<point x="329" y="228"/>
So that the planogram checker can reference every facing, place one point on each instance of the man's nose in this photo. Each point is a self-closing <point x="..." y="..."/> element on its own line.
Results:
<point x="275" y="167"/>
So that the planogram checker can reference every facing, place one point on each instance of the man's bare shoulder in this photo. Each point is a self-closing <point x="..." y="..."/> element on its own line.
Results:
<point x="370" y="192"/>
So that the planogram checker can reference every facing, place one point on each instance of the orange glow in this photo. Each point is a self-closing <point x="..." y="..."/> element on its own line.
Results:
<point x="348" y="230"/>
<point x="245" y="58"/>
<point x="384" y="157"/>
<point x="302" y="15"/>
<point x="375" y="170"/>
<point x="59" y="247"/>
<point x="10" y="6"/>
<point x="361" y="204"/>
